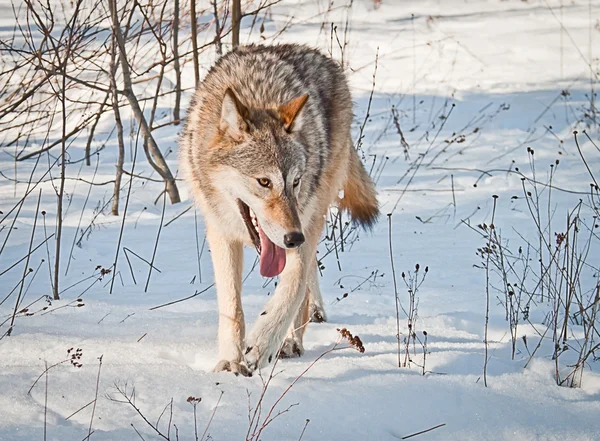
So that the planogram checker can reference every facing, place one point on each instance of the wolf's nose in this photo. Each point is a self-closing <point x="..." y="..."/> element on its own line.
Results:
<point x="293" y="240"/>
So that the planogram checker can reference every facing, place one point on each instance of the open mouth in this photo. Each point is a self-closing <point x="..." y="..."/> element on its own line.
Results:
<point x="272" y="257"/>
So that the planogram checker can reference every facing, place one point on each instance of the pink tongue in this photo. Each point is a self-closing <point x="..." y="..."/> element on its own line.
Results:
<point x="272" y="257"/>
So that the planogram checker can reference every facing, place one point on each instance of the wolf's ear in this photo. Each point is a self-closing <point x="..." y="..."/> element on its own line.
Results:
<point x="233" y="114"/>
<point x="291" y="113"/>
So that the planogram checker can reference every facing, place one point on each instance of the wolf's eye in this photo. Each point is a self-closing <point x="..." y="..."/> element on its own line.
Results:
<point x="264" y="182"/>
<point x="296" y="182"/>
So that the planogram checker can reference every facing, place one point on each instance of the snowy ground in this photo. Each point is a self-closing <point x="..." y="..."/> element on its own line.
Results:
<point x="491" y="71"/>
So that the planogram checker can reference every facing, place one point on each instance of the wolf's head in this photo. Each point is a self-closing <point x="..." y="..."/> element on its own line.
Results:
<point x="261" y="161"/>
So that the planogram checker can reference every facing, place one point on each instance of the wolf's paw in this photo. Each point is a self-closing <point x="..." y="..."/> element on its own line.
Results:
<point x="291" y="348"/>
<point x="317" y="313"/>
<point x="261" y="352"/>
<point x="234" y="367"/>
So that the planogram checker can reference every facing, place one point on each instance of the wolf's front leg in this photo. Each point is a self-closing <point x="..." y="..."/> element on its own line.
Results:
<point x="316" y="311"/>
<point x="273" y="323"/>
<point x="227" y="257"/>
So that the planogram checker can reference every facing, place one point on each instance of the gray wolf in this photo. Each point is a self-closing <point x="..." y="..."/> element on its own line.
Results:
<point x="266" y="149"/>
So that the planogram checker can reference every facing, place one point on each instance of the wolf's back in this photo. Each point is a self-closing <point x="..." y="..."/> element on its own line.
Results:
<point x="263" y="76"/>
<point x="267" y="76"/>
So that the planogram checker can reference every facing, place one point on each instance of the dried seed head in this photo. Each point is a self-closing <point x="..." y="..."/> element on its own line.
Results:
<point x="354" y="340"/>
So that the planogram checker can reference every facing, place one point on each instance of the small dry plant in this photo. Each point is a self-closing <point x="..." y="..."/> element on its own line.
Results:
<point x="259" y="417"/>
<point x="550" y="270"/>
<point x="259" y="422"/>
<point x="413" y="281"/>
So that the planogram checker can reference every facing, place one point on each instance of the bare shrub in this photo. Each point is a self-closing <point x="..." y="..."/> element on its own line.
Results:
<point x="549" y="271"/>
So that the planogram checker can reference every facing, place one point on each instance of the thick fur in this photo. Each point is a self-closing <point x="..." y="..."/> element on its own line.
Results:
<point x="279" y="115"/>
<point x="360" y="197"/>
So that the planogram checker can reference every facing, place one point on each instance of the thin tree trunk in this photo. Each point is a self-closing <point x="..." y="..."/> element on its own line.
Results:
<point x="157" y="161"/>
<point x="236" y="17"/>
<point x="61" y="192"/>
<point x="119" y="124"/>
<point x="218" y="42"/>
<point x="195" y="42"/>
<point x="176" y="112"/>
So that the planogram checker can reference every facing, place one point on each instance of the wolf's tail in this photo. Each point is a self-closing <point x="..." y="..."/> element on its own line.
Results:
<point x="360" y="197"/>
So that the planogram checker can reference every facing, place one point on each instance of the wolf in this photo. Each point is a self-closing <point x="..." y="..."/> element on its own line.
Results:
<point x="266" y="149"/>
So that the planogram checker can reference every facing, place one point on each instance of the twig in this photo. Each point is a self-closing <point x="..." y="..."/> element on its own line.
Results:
<point x="87" y="198"/>
<point x="80" y="409"/>
<point x="162" y="218"/>
<point x="27" y="256"/>
<point x="487" y="294"/>
<point x="44" y="373"/>
<point x="102" y="319"/>
<point x="137" y="409"/>
<point x="178" y="216"/>
<point x="88" y="145"/>
<point x="46" y="402"/>
<point x="361" y="135"/>
<point x="197" y="293"/>
<point x="95" y="396"/>
<point x="130" y="267"/>
<point x="397" y="300"/>
<point x="128" y="315"/>
<point x="584" y="161"/>
<point x="198" y="250"/>
<point x="423" y="431"/>
<point x="211" y="417"/>
<point x="124" y="216"/>
<point x="304" y="429"/>
<point x="138" y="433"/>
<point x="127" y="250"/>
<point x="26" y="268"/>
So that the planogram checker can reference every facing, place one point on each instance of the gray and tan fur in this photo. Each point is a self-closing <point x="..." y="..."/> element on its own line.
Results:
<point x="269" y="130"/>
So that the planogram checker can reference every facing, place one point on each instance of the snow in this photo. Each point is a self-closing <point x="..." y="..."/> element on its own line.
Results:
<point x="503" y="66"/>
